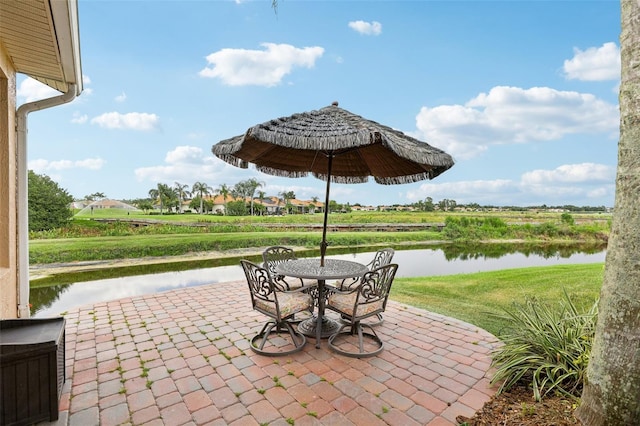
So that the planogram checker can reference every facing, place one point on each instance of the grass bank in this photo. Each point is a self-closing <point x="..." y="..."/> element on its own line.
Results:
<point x="87" y="240"/>
<point x="62" y="250"/>
<point x="475" y="297"/>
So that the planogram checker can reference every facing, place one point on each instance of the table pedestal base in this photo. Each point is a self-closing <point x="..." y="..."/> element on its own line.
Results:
<point x="308" y="327"/>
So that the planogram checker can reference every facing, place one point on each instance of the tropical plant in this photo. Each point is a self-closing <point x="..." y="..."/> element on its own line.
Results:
<point x="95" y="196"/>
<point x="545" y="346"/>
<point x="286" y="196"/>
<point x="182" y="193"/>
<point x="261" y="197"/>
<point x="252" y="185"/>
<point x="162" y="194"/>
<point x="224" y="192"/>
<point x="201" y="189"/>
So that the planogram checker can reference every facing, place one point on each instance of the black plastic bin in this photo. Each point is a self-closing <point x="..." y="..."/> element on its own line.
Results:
<point x="32" y="369"/>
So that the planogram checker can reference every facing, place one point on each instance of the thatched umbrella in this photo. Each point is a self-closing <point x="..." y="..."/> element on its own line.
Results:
<point x="334" y="145"/>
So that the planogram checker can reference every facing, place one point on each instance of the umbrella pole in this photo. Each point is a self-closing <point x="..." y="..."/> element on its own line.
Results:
<point x="324" y="244"/>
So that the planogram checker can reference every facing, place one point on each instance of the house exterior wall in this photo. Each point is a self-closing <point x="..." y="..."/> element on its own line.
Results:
<point x="8" y="201"/>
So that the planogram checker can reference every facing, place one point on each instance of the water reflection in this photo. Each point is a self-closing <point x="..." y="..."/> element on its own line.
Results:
<point x="444" y="260"/>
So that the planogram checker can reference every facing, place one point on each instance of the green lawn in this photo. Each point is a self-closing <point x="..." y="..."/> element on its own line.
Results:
<point x="474" y="297"/>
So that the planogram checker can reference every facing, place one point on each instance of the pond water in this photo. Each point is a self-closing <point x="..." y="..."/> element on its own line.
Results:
<point x="53" y="300"/>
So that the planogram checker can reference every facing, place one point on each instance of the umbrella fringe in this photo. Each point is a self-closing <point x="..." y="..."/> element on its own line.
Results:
<point x="234" y="161"/>
<point x="281" y="173"/>
<point x="399" y="180"/>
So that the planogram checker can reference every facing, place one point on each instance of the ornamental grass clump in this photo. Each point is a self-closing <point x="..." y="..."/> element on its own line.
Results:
<point x="546" y="347"/>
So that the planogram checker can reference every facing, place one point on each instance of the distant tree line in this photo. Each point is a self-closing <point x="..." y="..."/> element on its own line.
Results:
<point x="48" y="203"/>
<point x="429" y="205"/>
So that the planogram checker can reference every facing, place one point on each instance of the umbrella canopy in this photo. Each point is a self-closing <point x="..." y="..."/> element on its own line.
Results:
<point x="334" y="145"/>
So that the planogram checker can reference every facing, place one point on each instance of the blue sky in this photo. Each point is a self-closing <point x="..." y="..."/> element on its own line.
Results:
<point x="523" y="94"/>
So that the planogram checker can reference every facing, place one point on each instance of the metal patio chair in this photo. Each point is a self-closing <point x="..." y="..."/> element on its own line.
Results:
<point x="279" y="306"/>
<point x="272" y="257"/>
<point x="382" y="257"/>
<point x="275" y="255"/>
<point x="363" y="300"/>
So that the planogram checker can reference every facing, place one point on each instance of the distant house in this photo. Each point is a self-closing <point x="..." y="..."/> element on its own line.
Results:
<point x="272" y="205"/>
<point x="40" y="39"/>
<point x="307" y="206"/>
<point x="363" y="208"/>
<point x="219" y="202"/>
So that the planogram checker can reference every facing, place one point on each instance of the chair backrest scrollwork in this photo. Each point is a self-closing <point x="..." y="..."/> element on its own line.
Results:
<point x="261" y="287"/>
<point x="381" y="258"/>
<point x="374" y="288"/>
<point x="272" y="257"/>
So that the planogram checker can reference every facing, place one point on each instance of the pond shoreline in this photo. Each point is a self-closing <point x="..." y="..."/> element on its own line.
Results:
<point x="46" y="270"/>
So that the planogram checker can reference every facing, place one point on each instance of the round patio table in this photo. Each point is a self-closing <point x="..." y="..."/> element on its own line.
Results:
<point x="333" y="269"/>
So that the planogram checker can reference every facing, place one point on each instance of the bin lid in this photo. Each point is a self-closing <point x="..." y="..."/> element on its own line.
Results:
<point x="30" y="331"/>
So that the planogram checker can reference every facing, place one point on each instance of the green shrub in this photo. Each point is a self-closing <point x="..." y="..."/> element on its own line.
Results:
<point x="474" y="228"/>
<point x="545" y="346"/>
<point x="48" y="203"/>
<point x="567" y="219"/>
<point x="547" y="229"/>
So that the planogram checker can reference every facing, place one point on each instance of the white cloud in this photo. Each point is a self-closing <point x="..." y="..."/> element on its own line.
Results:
<point x="90" y="163"/>
<point x="79" y="118"/>
<point x="121" y="97"/>
<point x="508" y="115"/>
<point x="184" y="155"/>
<point x="366" y="28"/>
<point x="241" y="67"/>
<point x="41" y="165"/>
<point x="132" y="121"/>
<point x="566" y="184"/>
<point x="594" y="64"/>
<point x="86" y="81"/>
<point x="570" y="173"/>
<point x="184" y="164"/>
<point x="32" y="90"/>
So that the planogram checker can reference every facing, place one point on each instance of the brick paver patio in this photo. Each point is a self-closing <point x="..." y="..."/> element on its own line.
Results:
<point x="182" y="357"/>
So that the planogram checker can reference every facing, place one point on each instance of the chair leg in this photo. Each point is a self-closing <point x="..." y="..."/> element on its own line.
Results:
<point x="379" y="320"/>
<point x="298" y="340"/>
<point x="265" y="332"/>
<point x="356" y="329"/>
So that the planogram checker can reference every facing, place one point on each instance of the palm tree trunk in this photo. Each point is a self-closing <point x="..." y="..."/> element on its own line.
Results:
<point x="612" y="392"/>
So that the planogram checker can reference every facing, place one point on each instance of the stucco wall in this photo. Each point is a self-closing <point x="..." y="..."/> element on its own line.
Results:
<point x="8" y="152"/>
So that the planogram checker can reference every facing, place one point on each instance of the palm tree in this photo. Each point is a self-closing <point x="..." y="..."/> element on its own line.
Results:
<point x="286" y="196"/>
<point x="201" y="189"/>
<point x="261" y="196"/>
<point x="224" y="191"/>
<point x="161" y="193"/>
<point x="181" y="192"/>
<point x="252" y="185"/>
<point x="314" y="203"/>
<point x="611" y="393"/>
